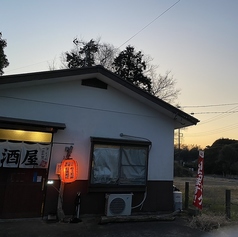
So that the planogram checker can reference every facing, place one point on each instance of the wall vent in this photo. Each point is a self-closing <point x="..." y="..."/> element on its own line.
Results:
<point x="94" y="82"/>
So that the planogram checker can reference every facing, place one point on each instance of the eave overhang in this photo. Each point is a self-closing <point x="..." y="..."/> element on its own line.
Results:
<point x="30" y="125"/>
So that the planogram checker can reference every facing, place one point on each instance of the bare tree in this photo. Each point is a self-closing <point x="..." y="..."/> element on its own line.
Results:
<point x="106" y="55"/>
<point x="52" y="65"/>
<point x="163" y="86"/>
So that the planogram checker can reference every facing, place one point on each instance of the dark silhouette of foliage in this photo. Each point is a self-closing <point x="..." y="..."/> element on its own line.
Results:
<point x="130" y="66"/>
<point x="186" y="154"/>
<point x="3" y="58"/>
<point x="186" y="160"/>
<point x="223" y="141"/>
<point x="180" y="171"/>
<point x="85" y="57"/>
<point x="211" y="156"/>
<point x="222" y="157"/>
<point x="228" y="156"/>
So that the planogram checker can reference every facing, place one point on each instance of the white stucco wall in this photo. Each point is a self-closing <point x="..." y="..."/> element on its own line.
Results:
<point x="89" y="111"/>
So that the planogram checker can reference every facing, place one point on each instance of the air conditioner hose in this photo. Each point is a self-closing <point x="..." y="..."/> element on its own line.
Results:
<point x="142" y="202"/>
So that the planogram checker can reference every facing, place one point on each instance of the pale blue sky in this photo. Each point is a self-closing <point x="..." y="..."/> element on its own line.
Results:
<point x="195" y="39"/>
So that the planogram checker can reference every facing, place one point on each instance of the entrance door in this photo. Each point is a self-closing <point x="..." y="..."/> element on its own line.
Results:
<point x="22" y="192"/>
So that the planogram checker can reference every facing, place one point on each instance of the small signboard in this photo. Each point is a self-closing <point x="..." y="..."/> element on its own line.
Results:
<point x="58" y="168"/>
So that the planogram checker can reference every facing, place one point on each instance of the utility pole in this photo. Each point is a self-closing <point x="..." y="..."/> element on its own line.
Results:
<point x="179" y="138"/>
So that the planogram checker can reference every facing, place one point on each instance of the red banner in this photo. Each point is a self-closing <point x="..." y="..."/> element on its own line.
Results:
<point x="197" y="201"/>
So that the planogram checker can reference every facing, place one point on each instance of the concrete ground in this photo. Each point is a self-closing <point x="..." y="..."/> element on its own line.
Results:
<point x="90" y="227"/>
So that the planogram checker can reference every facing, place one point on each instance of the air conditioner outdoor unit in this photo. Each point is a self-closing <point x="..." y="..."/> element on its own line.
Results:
<point x="118" y="204"/>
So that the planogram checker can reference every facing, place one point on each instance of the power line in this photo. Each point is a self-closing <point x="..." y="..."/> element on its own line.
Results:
<point x="200" y="106"/>
<point x="218" y="116"/>
<point x="217" y="130"/>
<point x="119" y="46"/>
<point x="214" y="131"/>
<point x="221" y="112"/>
<point x="7" y="71"/>
<point x="76" y="106"/>
<point x="149" y="23"/>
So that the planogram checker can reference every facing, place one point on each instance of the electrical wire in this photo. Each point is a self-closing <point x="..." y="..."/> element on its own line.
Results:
<point x="214" y="131"/>
<point x="119" y="46"/>
<point x="203" y="106"/>
<point x="222" y="115"/>
<point x="218" y="116"/>
<point x="221" y="112"/>
<point x="149" y="23"/>
<point x="7" y="71"/>
<point x="77" y="106"/>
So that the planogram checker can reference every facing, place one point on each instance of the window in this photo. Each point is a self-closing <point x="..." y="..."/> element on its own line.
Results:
<point x="119" y="162"/>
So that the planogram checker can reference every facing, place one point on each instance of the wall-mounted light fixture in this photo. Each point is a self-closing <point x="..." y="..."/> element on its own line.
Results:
<point x="68" y="167"/>
<point x="69" y="170"/>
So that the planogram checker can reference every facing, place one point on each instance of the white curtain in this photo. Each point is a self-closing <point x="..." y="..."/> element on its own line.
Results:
<point x="105" y="165"/>
<point x="133" y="166"/>
<point x="119" y="165"/>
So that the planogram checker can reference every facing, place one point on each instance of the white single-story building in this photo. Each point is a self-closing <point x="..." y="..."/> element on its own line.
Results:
<point x="122" y="139"/>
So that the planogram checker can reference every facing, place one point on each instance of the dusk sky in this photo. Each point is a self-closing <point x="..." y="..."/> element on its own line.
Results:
<point x="197" y="40"/>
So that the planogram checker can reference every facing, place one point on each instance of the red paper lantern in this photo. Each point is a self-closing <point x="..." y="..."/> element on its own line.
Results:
<point x="69" y="170"/>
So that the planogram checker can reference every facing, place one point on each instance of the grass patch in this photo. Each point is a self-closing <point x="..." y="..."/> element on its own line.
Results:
<point x="214" y="189"/>
<point x="206" y="223"/>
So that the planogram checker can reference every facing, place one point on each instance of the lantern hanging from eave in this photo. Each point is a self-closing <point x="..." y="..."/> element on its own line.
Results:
<point x="69" y="170"/>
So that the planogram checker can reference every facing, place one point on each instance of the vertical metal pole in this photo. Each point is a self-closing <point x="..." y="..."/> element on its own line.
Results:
<point x="60" y="211"/>
<point x="228" y="204"/>
<point x="186" y="195"/>
<point x="179" y="139"/>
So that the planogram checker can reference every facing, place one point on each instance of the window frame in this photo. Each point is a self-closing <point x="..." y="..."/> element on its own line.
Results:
<point x="122" y="143"/>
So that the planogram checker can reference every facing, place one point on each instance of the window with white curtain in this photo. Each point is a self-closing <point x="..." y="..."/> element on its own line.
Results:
<point x="119" y="162"/>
